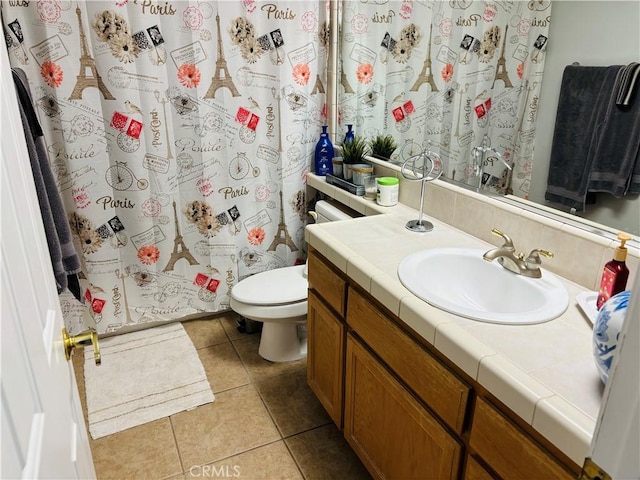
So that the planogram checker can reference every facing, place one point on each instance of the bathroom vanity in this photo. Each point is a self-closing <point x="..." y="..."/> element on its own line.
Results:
<point x="418" y="391"/>
<point x="405" y="409"/>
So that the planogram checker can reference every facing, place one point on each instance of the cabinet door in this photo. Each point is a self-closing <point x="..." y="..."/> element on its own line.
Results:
<point x="394" y="436"/>
<point x="508" y="450"/>
<point x="325" y="356"/>
<point x="434" y="383"/>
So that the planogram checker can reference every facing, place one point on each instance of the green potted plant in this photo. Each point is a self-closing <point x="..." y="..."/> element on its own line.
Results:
<point x="353" y="153"/>
<point x="382" y="146"/>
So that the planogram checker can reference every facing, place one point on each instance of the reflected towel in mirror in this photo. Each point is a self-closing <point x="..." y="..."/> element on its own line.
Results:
<point x="596" y="143"/>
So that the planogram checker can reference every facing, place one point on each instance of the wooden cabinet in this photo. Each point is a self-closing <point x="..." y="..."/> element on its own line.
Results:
<point x="434" y="383"/>
<point x="394" y="436"/>
<point x="328" y="283"/>
<point x="326" y="332"/>
<point x="508" y="450"/>
<point x="407" y="413"/>
<point x="475" y="471"/>
<point x="325" y="356"/>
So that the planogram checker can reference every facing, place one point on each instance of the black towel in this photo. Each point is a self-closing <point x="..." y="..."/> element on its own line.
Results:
<point x="64" y="258"/>
<point x="575" y="122"/>
<point x="628" y="87"/>
<point x="627" y="84"/>
<point x="615" y="146"/>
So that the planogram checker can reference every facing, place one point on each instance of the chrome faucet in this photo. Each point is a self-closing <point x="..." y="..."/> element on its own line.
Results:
<point x="479" y="155"/>
<point x="516" y="263"/>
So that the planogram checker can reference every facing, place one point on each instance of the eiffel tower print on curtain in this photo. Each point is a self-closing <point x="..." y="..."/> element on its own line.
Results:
<point x="180" y="250"/>
<point x="221" y="78"/>
<point x="501" y="70"/>
<point x="87" y="62"/>
<point x="282" y="235"/>
<point x="426" y="75"/>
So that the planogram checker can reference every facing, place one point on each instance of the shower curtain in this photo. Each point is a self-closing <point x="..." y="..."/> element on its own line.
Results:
<point x="180" y="133"/>
<point x="447" y="72"/>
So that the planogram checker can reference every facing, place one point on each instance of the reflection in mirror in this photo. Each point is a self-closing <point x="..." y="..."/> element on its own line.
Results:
<point x="469" y="68"/>
<point x="591" y="33"/>
<point x="448" y="72"/>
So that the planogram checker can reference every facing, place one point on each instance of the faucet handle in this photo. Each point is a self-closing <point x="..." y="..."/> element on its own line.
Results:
<point x="533" y="260"/>
<point x="508" y="243"/>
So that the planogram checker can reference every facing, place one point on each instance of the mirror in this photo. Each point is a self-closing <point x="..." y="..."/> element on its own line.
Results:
<point x="580" y="35"/>
<point x="577" y="32"/>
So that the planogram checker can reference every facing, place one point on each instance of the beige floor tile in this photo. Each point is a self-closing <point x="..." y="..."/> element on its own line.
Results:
<point x="271" y="462"/>
<point x="258" y="367"/>
<point x="292" y="404"/>
<point x="323" y="453"/>
<point x="229" y="322"/>
<point x="236" y="422"/>
<point x="147" y="451"/>
<point x="206" y="332"/>
<point x="223" y="367"/>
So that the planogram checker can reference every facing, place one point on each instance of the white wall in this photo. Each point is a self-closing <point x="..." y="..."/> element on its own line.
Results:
<point x="592" y="33"/>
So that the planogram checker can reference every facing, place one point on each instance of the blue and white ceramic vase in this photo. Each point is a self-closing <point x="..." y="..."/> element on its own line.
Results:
<point x="606" y="331"/>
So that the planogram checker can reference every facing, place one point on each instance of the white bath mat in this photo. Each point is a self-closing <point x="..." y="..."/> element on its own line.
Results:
<point x="144" y="376"/>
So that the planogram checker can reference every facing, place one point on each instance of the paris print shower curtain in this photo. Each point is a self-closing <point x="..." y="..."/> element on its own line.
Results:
<point x="447" y="72"/>
<point x="180" y="134"/>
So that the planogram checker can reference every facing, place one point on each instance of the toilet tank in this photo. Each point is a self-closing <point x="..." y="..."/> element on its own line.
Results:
<point x="331" y="212"/>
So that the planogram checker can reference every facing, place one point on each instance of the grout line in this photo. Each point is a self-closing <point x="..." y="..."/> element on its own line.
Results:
<point x="266" y="407"/>
<point x="330" y="422"/>
<point x="295" y="460"/>
<point x="175" y="443"/>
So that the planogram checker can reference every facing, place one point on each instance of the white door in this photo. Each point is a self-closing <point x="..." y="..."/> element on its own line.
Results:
<point x="616" y="440"/>
<point x="43" y="430"/>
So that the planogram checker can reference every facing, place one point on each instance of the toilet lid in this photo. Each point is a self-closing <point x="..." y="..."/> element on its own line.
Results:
<point x="273" y="287"/>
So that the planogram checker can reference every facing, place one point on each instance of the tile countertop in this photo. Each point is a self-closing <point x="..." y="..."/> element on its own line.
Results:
<point x="545" y="373"/>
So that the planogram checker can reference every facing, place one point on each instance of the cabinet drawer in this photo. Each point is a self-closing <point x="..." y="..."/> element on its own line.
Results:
<point x="509" y="451"/>
<point x="445" y="393"/>
<point x="329" y="284"/>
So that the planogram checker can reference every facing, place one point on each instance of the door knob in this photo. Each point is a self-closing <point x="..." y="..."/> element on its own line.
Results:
<point x="86" y="338"/>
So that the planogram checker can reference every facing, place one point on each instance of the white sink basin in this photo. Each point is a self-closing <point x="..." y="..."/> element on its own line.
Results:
<point x="459" y="281"/>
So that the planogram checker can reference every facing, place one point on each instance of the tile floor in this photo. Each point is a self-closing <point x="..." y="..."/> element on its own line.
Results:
<point x="265" y="422"/>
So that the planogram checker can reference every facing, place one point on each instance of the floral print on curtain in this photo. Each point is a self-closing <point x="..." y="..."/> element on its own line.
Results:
<point x="181" y="134"/>
<point x="447" y="72"/>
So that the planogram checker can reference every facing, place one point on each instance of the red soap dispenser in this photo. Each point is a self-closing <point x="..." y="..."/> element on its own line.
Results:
<point x="615" y="273"/>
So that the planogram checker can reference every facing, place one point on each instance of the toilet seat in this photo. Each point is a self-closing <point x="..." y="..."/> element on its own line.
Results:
<point x="289" y="313"/>
<point x="273" y="287"/>
<point x="273" y="296"/>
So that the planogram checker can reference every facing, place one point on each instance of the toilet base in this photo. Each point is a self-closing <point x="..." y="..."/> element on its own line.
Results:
<point x="283" y="342"/>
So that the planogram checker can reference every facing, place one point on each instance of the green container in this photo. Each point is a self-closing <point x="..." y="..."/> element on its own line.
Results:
<point x="388" y="181"/>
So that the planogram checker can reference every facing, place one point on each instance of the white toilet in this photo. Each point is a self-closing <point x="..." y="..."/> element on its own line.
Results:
<point x="278" y="298"/>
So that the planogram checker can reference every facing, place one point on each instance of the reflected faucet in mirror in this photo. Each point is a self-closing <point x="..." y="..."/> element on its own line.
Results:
<point x="480" y="155"/>
<point x="516" y="263"/>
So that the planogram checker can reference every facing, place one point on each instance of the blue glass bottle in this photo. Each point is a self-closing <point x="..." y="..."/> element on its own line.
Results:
<point x="350" y="134"/>
<point x="324" y="154"/>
